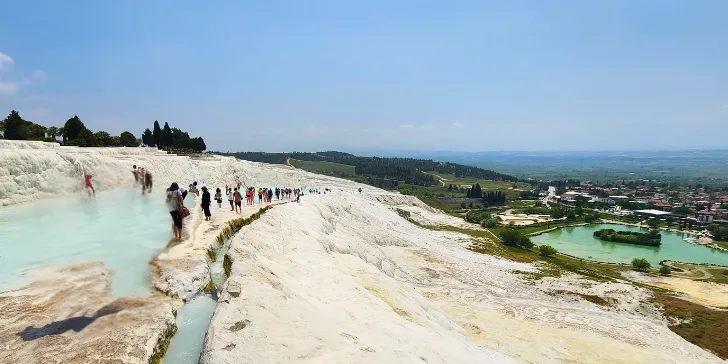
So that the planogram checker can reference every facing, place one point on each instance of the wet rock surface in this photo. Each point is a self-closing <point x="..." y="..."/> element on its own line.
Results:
<point x="68" y="315"/>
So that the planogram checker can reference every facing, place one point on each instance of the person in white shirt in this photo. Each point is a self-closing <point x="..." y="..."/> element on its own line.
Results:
<point x="183" y="192"/>
<point x="230" y="197"/>
<point x="193" y="188"/>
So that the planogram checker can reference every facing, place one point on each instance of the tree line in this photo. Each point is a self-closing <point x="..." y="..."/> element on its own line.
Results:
<point x="385" y="172"/>
<point x="171" y="138"/>
<point x="75" y="133"/>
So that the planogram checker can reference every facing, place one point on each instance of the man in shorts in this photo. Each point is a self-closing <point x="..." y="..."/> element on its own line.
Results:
<point x="238" y="201"/>
<point x="231" y="196"/>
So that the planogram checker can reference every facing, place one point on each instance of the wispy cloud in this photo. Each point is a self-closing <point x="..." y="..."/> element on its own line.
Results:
<point x="9" y="88"/>
<point x="457" y="124"/>
<point x="13" y="82"/>
<point x="417" y="127"/>
<point x="6" y="62"/>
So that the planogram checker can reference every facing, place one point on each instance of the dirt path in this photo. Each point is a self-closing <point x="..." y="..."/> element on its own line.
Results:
<point x="706" y="274"/>
<point x="439" y="178"/>
<point x="288" y="163"/>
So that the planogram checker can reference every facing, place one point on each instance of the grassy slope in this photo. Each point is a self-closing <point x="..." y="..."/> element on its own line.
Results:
<point x="327" y="168"/>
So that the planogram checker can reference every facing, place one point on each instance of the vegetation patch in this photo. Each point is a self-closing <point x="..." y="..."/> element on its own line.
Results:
<point x="650" y="238"/>
<point x="700" y="325"/>
<point x="326" y="168"/>
<point x="227" y="265"/>
<point x="597" y="300"/>
<point x="163" y="344"/>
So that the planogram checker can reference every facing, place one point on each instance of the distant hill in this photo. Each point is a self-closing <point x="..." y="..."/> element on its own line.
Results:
<point x="380" y="172"/>
<point x="682" y="166"/>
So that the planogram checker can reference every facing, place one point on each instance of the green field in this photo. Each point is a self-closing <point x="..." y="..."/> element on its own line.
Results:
<point x="327" y="168"/>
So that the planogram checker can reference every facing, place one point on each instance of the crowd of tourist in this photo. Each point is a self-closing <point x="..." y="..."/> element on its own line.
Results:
<point x="176" y="195"/>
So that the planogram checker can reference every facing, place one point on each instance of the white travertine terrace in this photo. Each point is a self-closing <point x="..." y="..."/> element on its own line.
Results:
<point x="340" y="277"/>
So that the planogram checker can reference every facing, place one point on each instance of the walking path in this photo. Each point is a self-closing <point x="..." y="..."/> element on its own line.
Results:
<point x="182" y="268"/>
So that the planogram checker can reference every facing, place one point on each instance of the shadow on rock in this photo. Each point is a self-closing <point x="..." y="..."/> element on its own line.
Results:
<point x="76" y="324"/>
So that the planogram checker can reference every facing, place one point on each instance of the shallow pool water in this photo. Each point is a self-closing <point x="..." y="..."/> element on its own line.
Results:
<point x="580" y="242"/>
<point x="192" y="322"/>
<point x="120" y="228"/>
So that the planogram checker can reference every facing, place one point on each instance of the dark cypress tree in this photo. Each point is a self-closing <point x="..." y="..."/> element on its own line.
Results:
<point x="157" y="135"/>
<point x="167" y="136"/>
<point x="148" y="138"/>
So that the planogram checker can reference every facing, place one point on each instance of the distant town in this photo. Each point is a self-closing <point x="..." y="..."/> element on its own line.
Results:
<point x="693" y="204"/>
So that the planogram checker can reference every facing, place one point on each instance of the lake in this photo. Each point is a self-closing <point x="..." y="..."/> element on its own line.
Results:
<point x="580" y="242"/>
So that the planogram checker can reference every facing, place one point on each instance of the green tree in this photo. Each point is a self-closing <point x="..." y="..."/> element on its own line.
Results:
<point x="86" y="138"/>
<point x="180" y="139"/>
<point x="198" y="144"/>
<point x="462" y="205"/>
<point x="641" y="264"/>
<point x="683" y="210"/>
<point x="15" y="127"/>
<point x="148" y="138"/>
<point x="53" y="131"/>
<point x="103" y="139"/>
<point x="157" y="135"/>
<point x="525" y="195"/>
<point x="513" y="237"/>
<point x="653" y="223"/>
<point x="590" y="218"/>
<point x="547" y="250"/>
<point x="571" y="215"/>
<point x="665" y="271"/>
<point x="73" y="128"/>
<point x="557" y="212"/>
<point x="128" y="139"/>
<point x="167" y="136"/>
<point x="489" y="223"/>
<point x="36" y="131"/>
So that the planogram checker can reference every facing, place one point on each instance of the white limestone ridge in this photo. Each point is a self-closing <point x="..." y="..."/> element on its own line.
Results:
<point x="343" y="278"/>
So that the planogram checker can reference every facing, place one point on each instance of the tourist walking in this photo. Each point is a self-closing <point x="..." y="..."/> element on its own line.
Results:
<point x="270" y="195"/>
<point x="230" y="198"/>
<point x="238" y="201"/>
<point x="193" y="189"/>
<point x="175" y="203"/>
<point x="206" y="203"/>
<point x="218" y="197"/>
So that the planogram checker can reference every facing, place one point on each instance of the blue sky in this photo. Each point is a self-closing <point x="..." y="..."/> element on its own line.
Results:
<point x="417" y="75"/>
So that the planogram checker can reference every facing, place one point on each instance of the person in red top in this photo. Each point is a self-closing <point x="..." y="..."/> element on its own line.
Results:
<point x="87" y="178"/>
